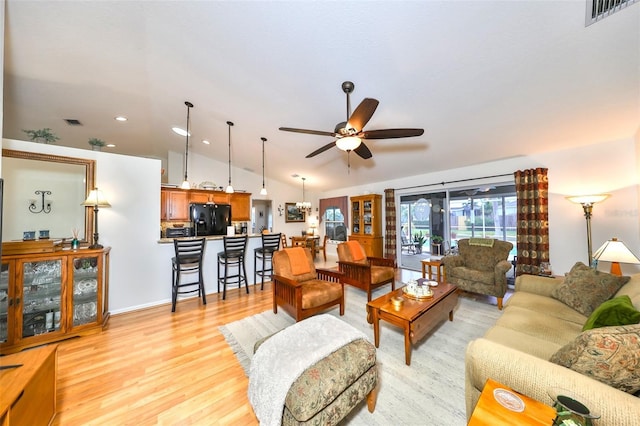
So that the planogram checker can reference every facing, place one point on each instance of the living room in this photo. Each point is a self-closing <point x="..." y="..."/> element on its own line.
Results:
<point x="140" y="270"/>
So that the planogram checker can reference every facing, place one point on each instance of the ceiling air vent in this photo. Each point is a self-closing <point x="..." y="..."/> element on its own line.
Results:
<point x="599" y="9"/>
<point x="73" y="122"/>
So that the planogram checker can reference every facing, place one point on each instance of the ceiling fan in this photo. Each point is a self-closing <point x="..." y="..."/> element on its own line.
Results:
<point x="350" y="135"/>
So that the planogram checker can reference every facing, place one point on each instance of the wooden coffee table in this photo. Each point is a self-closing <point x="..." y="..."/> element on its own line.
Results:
<point x="415" y="317"/>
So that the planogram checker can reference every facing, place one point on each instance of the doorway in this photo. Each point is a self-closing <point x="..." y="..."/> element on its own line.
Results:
<point x="261" y="216"/>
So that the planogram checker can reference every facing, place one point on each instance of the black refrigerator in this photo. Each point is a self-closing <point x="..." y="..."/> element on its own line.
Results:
<point x="209" y="218"/>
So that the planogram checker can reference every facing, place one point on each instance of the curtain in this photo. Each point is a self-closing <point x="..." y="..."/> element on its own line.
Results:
<point x="341" y="202"/>
<point x="390" y="223"/>
<point x="533" y="219"/>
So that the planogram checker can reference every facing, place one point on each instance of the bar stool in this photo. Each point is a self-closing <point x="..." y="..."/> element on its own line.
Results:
<point x="270" y="244"/>
<point x="188" y="259"/>
<point x="232" y="256"/>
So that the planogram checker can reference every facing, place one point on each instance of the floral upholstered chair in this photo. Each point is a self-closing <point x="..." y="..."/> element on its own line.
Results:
<point x="480" y="267"/>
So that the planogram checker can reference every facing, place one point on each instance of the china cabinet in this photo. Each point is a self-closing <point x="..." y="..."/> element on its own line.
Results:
<point x="45" y="297"/>
<point x="366" y="223"/>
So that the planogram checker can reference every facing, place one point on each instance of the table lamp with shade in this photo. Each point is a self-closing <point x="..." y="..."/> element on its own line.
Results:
<point x="616" y="252"/>
<point x="95" y="199"/>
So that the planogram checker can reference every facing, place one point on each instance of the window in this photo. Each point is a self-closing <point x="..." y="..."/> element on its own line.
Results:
<point x="334" y="226"/>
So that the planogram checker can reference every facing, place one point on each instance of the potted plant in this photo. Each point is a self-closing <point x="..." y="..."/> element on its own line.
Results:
<point x="419" y="239"/>
<point x="436" y="245"/>
<point x="96" y="144"/>
<point x="45" y="135"/>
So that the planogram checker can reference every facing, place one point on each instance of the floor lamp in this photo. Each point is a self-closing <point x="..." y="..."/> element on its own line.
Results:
<point x="587" y="202"/>
<point x="616" y="252"/>
<point x="95" y="199"/>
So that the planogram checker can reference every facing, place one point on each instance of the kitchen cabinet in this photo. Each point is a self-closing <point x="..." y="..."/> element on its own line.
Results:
<point x="175" y="203"/>
<point x="366" y="223"/>
<point x="28" y="394"/>
<point x="46" y="297"/>
<point x="240" y="207"/>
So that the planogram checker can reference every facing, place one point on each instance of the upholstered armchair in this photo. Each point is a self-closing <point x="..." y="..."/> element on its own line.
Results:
<point x="366" y="273"/>
<point x="480" y="266"/>
<point x="301" y="289"/>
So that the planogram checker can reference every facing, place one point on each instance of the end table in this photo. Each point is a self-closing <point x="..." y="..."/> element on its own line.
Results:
<point x="489" y="412"/>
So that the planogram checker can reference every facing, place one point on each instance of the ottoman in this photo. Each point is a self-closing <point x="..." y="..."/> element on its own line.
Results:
<point x="329" y="389"/>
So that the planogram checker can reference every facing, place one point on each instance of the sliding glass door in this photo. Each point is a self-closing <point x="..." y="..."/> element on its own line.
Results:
<point x="432" y="222"/>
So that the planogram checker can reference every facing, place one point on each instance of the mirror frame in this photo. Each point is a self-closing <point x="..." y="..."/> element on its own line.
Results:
<point x="89" y="176"/>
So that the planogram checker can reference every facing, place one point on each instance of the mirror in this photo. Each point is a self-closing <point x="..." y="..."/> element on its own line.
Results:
<point x="43" y="193"/>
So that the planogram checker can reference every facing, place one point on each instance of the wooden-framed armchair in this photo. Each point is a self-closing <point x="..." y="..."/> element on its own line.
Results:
<point x="366" y="273"/>
<point x="301" y="289"/>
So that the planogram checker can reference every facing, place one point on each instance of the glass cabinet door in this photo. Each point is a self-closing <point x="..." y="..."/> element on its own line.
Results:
<point x="355" y="217"/>
<point x="4" y="303"/>
<point x="85" y="290"/>
<point x="41" y="297"/>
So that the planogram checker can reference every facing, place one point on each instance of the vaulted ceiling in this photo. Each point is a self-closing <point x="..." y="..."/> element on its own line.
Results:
<point x="486" y="80"/>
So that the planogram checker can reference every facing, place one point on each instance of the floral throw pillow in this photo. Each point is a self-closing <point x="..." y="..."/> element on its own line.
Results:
<point x="584" y="288"/>
<point x="610" y="355"/>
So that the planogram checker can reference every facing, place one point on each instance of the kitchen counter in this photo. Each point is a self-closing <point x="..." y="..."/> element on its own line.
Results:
<point x="207" y="237"/>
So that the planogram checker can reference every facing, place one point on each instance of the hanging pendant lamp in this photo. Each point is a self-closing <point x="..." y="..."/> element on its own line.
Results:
<point x="263" y="191"/>
<point x="185" y="183"/>
<point x="229" y="189"/>
<point x="304" y="205"/>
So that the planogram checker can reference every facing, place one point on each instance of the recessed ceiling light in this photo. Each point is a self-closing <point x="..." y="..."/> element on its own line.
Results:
<point x="120" y="118"/>
<point x="111" y="145"/>
<point x="206" y="142"/>
<point x="180" y="131"/>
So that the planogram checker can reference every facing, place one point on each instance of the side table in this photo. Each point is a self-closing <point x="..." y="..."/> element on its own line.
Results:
<point x="489" y="412"/>
<point x="433" y="262"/>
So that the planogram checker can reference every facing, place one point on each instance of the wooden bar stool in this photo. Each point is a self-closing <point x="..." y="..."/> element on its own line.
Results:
<point x="188" y="259"/>
<point x="233" y="255"/>
<point x="270" y="244"/>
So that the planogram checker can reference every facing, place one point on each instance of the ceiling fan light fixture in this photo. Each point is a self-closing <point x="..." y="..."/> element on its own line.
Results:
<point x="348" y="143"/>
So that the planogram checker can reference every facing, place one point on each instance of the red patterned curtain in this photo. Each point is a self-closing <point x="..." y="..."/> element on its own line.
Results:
<point x="532" y="192"/>
<point x="390" y="223"/>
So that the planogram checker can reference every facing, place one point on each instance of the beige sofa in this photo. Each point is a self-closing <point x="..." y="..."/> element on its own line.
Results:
<point x="516" y="350"/>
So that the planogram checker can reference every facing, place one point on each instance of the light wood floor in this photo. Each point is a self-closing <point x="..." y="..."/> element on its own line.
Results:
<point x="155" y="367"/>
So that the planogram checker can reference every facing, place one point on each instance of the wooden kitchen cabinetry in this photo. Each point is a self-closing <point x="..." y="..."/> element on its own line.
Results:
<point x="240" y="206"/>
<point x="46" y="297"/>
<point x="28" y="394"/>
<point x="175" y="203"/>
<point x="366" y="223"/>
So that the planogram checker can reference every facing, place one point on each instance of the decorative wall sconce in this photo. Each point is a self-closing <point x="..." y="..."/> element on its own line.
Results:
<point x="280" y="209"/>
<point x="45" y="205"/>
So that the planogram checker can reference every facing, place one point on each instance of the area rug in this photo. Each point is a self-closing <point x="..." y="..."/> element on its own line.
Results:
<point x="428" y="392"/>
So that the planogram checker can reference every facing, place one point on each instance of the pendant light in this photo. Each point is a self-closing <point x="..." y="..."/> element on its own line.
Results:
<point x="263" y="191"/>
<point x="185" y="183"/>
<point x="304" y="205"/>
<point x="229" y="189"/>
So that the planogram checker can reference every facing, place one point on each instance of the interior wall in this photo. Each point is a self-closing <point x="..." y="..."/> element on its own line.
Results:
<point x="575" y="171"/>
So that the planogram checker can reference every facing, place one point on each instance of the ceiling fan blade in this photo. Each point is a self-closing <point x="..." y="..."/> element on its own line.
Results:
<point x="362" y="114"/>
<point x="309" y="132"/>
<point x="390" y="133"/>
<point x="322" y="149"/>
<point x="363" y="151"/>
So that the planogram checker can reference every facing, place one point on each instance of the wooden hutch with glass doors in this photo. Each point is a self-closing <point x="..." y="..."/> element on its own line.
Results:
<point x="366" y="223"/>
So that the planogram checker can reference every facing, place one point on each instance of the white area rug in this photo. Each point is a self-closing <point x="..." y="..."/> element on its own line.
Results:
<point x="428" y="392"/>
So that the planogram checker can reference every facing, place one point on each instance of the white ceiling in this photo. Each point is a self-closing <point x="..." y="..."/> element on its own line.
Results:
<point x="486" y="80"/>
